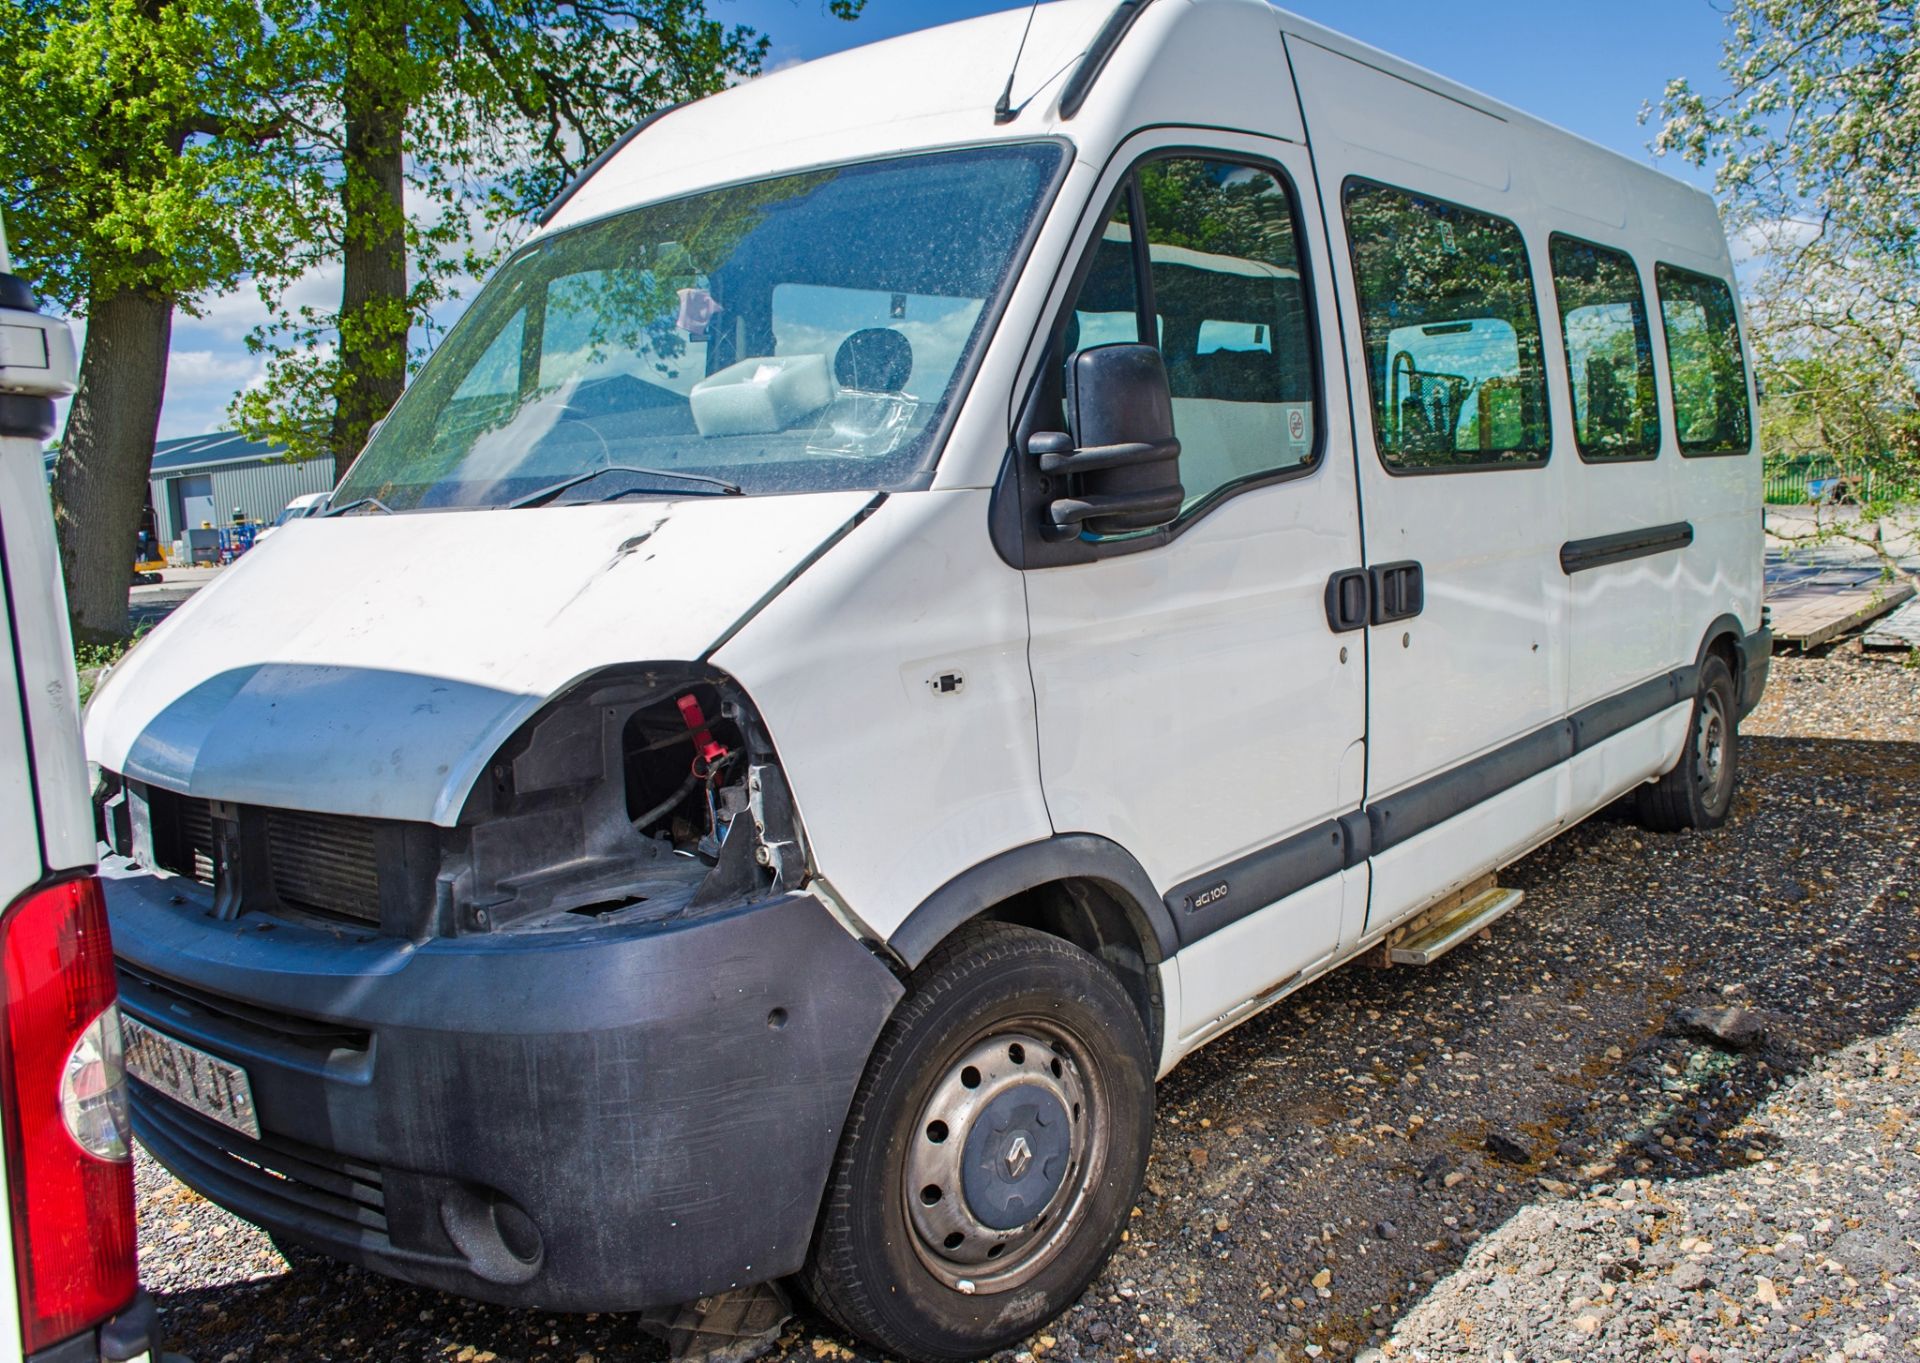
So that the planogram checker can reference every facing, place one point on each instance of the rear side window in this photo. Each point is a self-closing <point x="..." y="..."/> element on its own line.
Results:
<point x="1603" y="316"/>
<point x="1704" y="363"/>
<point x="1451" y="331"/>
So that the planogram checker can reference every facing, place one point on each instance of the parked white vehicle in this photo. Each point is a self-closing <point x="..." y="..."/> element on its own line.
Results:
<point x="67" y="1223"/>
<point x="305" y="505"/>
<point x="901" y="613"/>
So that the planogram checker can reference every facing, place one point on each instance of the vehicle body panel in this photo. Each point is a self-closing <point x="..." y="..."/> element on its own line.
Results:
<point x="49" y="687"/>
<point x="905" y="785"/>
<point x="371" y="664"/>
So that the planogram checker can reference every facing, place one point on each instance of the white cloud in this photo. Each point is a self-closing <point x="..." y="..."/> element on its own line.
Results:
<point x="203" y="368"/>
<point x="1757" y="240"/>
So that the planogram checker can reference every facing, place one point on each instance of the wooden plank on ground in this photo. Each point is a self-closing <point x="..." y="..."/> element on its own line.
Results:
<point x="1901" y="630"/>
<point x="1818" y="610"/>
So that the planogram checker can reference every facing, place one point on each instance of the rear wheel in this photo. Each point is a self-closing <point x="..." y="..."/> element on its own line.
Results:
<point x="1698" y="793"/>
<point x="994" y="1150"/>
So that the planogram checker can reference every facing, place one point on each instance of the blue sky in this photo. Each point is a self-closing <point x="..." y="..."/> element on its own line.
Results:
<point x="1585" y="65"/>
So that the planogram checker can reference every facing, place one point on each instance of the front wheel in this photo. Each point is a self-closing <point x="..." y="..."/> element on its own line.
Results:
<point x="993" y="1153"/>
<point x="1698" y="793"/>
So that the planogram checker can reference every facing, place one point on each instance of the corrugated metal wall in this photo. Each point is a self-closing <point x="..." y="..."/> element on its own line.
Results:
<point x="261" y="488"/>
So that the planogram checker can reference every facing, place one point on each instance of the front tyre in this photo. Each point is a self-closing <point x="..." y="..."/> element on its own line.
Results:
<point x="1698" y="793"/>
<point x="993" y="1153"/>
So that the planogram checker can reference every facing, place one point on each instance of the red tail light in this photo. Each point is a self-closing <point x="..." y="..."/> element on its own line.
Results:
<point x="68" y="1174"/>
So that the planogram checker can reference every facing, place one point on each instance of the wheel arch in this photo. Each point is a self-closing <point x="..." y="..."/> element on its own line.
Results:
<point x="1085" y="889"/>
<point x="1725" y="637"/>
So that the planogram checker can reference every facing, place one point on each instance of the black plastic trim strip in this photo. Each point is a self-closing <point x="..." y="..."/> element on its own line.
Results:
<point x="1099" y="53"/>
<point x="26" y="416"/>
<point x="607" y="153"/>
<point x="1577" y="556"/>
<point x="1064" y="856"/>
<point x="1207" y="903"/>
<point x="1756" y="658"/>
<point x="1439" y="798"/>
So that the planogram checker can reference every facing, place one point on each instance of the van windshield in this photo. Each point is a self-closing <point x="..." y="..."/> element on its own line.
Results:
<point x="798" y="334"/>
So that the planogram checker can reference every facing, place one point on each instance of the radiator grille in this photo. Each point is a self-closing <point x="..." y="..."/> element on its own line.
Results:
<point x="183" y="835"/>
<point x="324" y="862"/>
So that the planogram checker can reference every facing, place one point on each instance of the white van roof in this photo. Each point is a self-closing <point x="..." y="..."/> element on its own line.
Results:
<point x="938" y="87"/>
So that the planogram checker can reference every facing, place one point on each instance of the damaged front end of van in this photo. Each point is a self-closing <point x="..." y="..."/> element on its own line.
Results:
<point x="468" y="925"/>
<point x="576" y="1044"/>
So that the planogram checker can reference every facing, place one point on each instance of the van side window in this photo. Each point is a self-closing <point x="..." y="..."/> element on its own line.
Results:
<point x="1228" y="312"/>
<point x="1603" y="318"/>
<point x="1107" y="312"/>
<point x="1451" y="331"/>
<point x="1705" y="366"/>
<point x="1233" y="324"/>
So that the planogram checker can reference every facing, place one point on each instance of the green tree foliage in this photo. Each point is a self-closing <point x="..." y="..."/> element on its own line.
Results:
<point x="441" y="128"/>
<point x="142" y="170"/>
<point x="1815" y="145"/>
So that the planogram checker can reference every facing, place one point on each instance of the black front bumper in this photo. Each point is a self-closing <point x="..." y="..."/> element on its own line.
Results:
<point x="600" y="1120"/>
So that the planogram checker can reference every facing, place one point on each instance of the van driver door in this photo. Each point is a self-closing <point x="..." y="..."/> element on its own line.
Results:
<point x="1195" y="703"/>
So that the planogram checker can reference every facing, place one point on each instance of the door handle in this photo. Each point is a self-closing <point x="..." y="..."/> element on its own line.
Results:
<point x="1348" y="594"/>
<point x="1399" y="591"/>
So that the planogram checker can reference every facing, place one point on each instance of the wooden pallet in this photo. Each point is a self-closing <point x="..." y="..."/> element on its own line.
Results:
<point x="1816" y="604"/>
<point x="1901" y="630"/>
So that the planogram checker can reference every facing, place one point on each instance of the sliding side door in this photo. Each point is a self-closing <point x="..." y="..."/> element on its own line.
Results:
<point x="1463" y="505"/>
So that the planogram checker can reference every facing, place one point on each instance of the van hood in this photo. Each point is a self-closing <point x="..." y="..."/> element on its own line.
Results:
<point x="372" y="665"/>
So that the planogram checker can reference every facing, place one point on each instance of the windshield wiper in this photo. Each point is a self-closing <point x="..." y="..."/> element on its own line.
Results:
<point x="549" y="493"/>
<point x="373" y="502"/>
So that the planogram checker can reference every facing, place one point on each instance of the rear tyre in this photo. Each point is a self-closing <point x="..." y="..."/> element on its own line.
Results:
<point x="993" y="1153"/>
<point x="1698" y="793"/>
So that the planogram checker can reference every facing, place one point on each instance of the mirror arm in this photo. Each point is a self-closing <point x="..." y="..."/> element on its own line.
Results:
<point x="1067" y="513"/>
<point x="1057" y="454"/>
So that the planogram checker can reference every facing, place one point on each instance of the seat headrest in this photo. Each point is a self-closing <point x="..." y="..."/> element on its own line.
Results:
<point x="875" y="360"/>
<point x="1229" y="376"/>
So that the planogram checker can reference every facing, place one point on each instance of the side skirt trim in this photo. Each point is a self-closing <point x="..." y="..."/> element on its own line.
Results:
<point x="1207" y="903"/>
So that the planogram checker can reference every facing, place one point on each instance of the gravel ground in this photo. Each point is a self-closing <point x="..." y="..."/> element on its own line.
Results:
<point x="1367" y="1164"/>
<point x="1806" y="1254"/>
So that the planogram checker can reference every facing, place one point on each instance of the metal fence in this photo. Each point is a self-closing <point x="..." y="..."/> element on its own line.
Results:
<point x="1800" y="481"/>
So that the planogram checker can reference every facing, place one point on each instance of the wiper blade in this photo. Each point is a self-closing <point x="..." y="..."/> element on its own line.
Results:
<point x="546" y="494"/>
<point x="373" y="502"/>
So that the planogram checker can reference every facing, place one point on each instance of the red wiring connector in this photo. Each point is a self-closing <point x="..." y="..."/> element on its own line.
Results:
<point x="708" y="752"/>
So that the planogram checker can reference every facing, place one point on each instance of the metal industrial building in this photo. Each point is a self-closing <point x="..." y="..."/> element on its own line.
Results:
<point x="200" y="479"/>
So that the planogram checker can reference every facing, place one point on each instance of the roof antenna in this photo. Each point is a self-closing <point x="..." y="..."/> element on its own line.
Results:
<point x="1003" y="110"/>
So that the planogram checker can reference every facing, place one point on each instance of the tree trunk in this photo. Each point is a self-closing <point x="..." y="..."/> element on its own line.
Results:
<point x="373" y="298"/>
<point x="106" y="454"/>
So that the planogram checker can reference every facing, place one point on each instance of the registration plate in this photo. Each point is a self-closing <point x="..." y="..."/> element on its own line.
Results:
<point x="209" y="1085"/>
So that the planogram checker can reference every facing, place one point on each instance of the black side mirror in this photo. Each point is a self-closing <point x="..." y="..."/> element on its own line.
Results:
<point x="1121" y="464"/>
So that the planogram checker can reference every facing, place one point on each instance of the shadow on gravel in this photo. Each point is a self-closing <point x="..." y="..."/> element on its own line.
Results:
<point x="1313" y="1172"/>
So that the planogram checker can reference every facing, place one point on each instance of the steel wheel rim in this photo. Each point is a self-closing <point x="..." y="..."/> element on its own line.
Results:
<point x="1019" y="1054"/>
<point x="1710" y="751"/>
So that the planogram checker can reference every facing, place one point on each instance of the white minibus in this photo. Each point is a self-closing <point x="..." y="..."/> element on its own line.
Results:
<point x="67" y="1218"/>
<point x="940" y="580"/>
